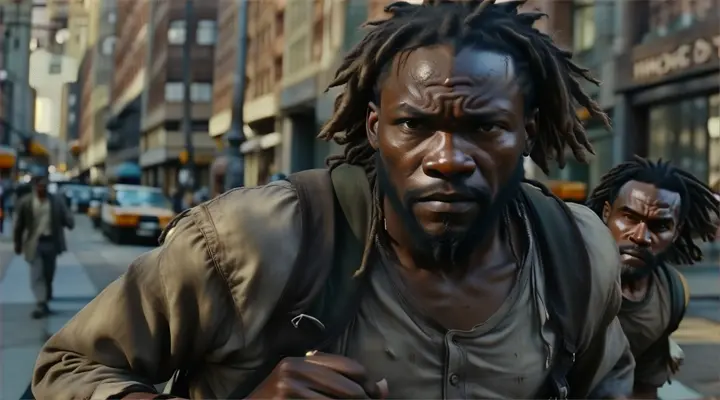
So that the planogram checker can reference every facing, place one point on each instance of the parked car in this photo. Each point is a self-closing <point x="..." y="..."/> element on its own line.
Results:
<point x="77" y="196"/>
<point x="134" y="212"/>
<point x="93" y="211"/>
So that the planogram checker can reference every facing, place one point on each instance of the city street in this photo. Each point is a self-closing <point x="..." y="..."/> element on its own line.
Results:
<point x="93" y="262"/>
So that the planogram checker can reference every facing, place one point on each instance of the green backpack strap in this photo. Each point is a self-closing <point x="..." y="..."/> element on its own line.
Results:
<point x="567" y="270"/>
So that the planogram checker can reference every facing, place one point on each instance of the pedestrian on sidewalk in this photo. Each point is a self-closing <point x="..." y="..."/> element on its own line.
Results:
<point x="2" y="207"/>
<point x="39" y="235"/>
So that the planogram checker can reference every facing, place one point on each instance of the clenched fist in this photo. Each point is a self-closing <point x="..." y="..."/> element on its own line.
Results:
<point x="319" y="376"/>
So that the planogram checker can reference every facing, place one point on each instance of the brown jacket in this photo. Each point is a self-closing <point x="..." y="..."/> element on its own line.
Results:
<point x="202" y="299"/>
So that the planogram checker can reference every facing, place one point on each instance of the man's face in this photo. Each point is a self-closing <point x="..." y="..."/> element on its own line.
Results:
<point x="41" y="187"/>
<point x="450" y="131"/>
<point x="644" y="220"/>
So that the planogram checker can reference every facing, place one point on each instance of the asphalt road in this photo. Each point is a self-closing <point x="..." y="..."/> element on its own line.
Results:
<point x="93" y="262"/>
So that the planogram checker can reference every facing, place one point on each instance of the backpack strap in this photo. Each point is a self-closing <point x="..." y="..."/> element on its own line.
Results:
<point x="567" y="271"/>
<point x="679" y="296"/>
<point x="322" y="295"/>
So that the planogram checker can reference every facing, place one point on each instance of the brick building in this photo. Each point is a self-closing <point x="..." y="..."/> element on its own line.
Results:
<point x="162" y="141"/>
<point x="264" y="72"/>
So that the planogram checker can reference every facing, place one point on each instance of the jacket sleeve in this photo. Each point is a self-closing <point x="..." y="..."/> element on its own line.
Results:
<point x="605" y="366"/>
<point x="68" y="218"/>
<point x="19" y="222"/>
<point x="170" y="308"/>
<point x="199" y="301"/>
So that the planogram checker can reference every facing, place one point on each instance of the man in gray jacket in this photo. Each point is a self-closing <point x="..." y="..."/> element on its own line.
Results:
<point x="39" y="234"/>
<point x="441" y="102"/>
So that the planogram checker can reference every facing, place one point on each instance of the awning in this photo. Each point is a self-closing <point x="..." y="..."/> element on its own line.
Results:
<point x="127" y="170"/>
<point x="8" y="156"/>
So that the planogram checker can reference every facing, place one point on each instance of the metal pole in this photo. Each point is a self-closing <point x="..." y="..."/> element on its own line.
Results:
<point x="240" y="70"/>
<point x="6" y="99"/>
<point x="187" y="103"/>
<point x="235" y="171"/>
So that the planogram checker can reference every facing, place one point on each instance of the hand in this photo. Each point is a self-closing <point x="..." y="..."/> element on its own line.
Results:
<point x="319" y="376"/>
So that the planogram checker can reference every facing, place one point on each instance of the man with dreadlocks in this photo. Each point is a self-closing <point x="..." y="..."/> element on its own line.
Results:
<point x="655" y="211"/>
<point x="449" y="280"/>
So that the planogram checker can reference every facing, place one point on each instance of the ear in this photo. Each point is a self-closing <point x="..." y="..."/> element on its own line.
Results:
<point x="371" y="125"/>
<point x="530" y="132"/>
<point x="606" y="212"/>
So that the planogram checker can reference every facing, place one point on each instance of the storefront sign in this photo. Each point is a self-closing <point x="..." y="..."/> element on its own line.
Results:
<point x="684" y="57"/>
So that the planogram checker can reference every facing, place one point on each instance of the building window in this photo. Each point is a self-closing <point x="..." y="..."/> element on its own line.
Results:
<point x="685" y="132"/>
<point x="177" y="32"/>
<point x="111" y="18"/>
<point x="71" y="100"/>
<point x="174" y="91"/>
<point x="201" y="92"/>
<point x="206" y="32"/>
<point x="583" y="25"/>
<point x="108" y="45"/>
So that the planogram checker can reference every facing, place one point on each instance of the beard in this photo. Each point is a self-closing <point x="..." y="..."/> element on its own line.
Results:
<point x="634" y="273"/>
<point x="450" y="249"/>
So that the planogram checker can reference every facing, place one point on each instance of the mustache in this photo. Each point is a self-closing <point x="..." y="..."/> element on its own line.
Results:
<point x="448" y="192"/>
<point x="639" y="252"/>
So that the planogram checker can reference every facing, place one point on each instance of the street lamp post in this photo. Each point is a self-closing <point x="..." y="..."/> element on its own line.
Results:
<point x="6" y="86"/>
<point x="235" y="171"/>
<point x="187" y="102"/>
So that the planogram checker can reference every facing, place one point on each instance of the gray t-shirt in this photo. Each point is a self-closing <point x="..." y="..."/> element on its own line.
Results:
<point x="508" y="356"/>
<point x="644" y="323"/>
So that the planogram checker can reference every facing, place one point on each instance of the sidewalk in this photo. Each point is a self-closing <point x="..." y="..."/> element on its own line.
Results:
<point x="22" y="337"/>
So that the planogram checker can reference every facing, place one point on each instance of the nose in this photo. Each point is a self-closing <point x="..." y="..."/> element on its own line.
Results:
<point x="447" y="160"/>
<point x="640" y="235"/>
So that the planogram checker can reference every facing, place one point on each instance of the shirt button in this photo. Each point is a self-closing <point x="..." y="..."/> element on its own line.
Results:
<point x="454" y="379"/>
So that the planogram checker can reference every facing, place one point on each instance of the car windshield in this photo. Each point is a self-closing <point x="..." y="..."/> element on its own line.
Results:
<point x="99" y="192"/>
<point x="76" y="190"/>
<point x="142" y="198"/>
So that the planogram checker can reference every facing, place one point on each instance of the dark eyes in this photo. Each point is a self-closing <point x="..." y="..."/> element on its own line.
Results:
<point x="655" y="226"/>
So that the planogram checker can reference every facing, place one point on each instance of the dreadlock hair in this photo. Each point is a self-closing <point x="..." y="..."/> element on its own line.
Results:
<point x="545" y="70"/>
<point x="698" y="206"/>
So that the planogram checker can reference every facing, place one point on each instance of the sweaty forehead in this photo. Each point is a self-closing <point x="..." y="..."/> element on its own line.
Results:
<point x="434" y="64"/>
<point x="635" y="194"/>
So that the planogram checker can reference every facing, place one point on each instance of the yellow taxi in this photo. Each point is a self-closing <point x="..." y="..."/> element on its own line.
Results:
<point x="134" y="212"/>
<point x="570" y="191"/>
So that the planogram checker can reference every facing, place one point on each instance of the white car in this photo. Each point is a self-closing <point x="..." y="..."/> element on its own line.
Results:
<point x="134" y="212"/>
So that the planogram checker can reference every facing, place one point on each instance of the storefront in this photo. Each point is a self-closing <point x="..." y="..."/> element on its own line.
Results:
<point x="602" y="140"/>
<point x="260" y="158"/>
<point x="671" y="87"/>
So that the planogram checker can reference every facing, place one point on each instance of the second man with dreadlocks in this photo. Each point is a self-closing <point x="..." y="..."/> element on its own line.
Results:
<point x="655" y="211"/>
<point x="418" y="266"/>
